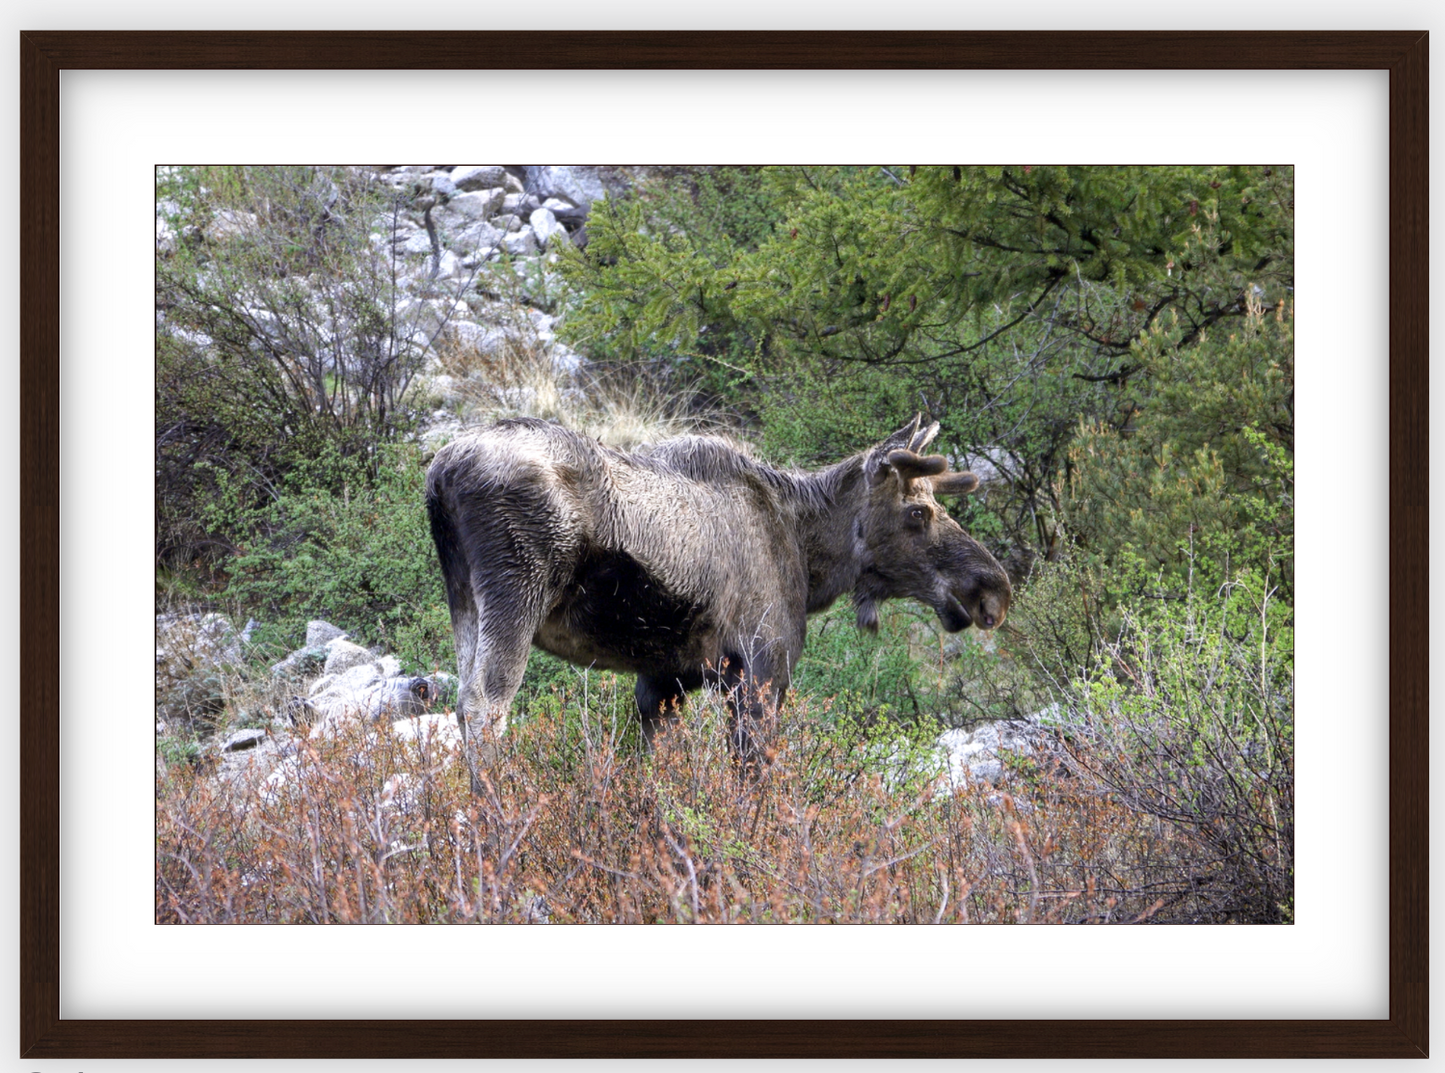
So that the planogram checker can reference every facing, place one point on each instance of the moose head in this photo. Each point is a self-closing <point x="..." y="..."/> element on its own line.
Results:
<point x="907" y="545"/>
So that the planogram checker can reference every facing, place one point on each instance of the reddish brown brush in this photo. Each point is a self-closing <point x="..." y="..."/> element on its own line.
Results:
<point x="574" y="824"/>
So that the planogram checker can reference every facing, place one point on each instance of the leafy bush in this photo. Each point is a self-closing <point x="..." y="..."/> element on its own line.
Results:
<point x="288" y="332"/>
<point x="1189" y="716"/>
<point x="361" y="555"/>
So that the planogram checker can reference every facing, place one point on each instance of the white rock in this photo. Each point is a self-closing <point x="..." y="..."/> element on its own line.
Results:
<point x="520" y="243"/>
<point x="165" y="237"/>
<point x="478" y="205"/>
<point x="193" y="641"/>
<point x="973" y="756"/>
<point x="229" y="224"/>
<point x="578" y="184"/>
<point x="449" y="265"/>
<point x="478" y="176"/>
<point x="477" y="236"/>
<point x="413" y="241"/>
<point x="545" y="225"/>
<point x="244" y="739"/>
<point x="342" y="655"/>
<point x="320" y="632"/>
<point x="438" y="728"/>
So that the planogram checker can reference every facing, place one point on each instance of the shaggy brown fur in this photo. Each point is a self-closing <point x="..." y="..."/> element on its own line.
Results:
<point x="685" y="562"/>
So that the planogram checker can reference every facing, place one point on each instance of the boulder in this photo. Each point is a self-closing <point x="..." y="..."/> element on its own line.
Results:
<point x="230" y="224"/>
<point x="186" y="642"/>
<point x="343" y="655"/>
<point x="521" y="243"/>
<point x="479" y="205"/>
<point x="439" y="728"/>
<point x="365" y="693"/>
<point x="302" y="663"/>
<point x="320" y="632"/>
<point x="975" y="754"/>
<point x="165" y="237"/>
<point x="579" y="184"/>
<point x="478" y="176"/>
<point x="244" y="739"/>
<point x="545" y="225"/>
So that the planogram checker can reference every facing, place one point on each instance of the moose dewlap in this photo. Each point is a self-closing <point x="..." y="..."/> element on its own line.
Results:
<point x="685" y="562"/>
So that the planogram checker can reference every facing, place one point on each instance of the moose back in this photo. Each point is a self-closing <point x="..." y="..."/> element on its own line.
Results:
<point x="685" y="562"/>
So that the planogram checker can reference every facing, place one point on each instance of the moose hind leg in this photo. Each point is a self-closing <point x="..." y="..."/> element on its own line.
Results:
<point x="491" y="682"/>
<point x="751" y="704"/>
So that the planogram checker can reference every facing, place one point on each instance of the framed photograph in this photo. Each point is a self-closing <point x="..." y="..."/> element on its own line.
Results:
<point x="412" y="992"/>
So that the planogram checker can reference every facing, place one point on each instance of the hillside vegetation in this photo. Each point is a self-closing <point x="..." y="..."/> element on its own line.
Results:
<point x="1110" y="349"/>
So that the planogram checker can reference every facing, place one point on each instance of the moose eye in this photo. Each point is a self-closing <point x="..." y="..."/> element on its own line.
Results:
<point x="918" y="515"/>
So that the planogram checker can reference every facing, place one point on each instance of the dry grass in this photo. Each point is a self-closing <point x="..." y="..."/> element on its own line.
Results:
<point x="516" y="375"/>
<point x="577" y="826"/>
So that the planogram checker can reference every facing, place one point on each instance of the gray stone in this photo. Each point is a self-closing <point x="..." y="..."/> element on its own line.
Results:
<point x="449" y="265"/>
<point x="974" y="755"/>
<point x="438" y="728"/>
<point x="342" y="655"/>
<point x="185" y="643"/>
<point x="579" y="184"/>
<point x="545" y="225"/>
<point x="165" y="237"/>
<point x="479" y="205"/>
<point x="229" y="224"/>
<point x="320" y="632"/>
<point x="508" y="222"/>
<point x="475" y="236"/>
<point x="478" y="176"/>
<point x="412" y="241"/>
<point x="303" y="663"/>
<point x="521" y="243"/>
<point x="990" y="464"/>
<point x="244" y="739"/>
<point x="356" y="697"/>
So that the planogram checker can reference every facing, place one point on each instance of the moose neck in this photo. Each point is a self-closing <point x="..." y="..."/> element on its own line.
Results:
<point x="827" y="521"/>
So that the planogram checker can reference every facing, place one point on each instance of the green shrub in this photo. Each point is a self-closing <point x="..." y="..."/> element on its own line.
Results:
<point x="360" y="556"/>
<point x="1189" y="716"/>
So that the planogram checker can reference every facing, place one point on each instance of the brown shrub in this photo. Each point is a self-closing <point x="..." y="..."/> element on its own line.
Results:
<point x="576" y="825"/>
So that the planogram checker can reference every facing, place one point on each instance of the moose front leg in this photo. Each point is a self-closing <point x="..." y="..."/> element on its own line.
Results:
<point x="659" y="701"/>
<point x="752" y="697"/>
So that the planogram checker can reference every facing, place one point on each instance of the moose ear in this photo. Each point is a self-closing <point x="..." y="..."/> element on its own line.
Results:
<point x="903" y="437"/>
<point x="955" y="484"/>
<point x="910" y="465"/>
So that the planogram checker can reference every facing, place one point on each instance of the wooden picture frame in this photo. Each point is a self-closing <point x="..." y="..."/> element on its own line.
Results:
<point x="45" y="1035"/>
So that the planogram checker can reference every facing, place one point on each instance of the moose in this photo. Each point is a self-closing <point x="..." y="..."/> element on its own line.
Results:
<point x="685" y="562"/>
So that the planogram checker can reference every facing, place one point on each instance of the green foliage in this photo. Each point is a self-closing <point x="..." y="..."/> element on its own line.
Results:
<point x="361" y="555"/>
<point x="1207" y="464"/>
<point x="284" y="334"/>
<point x="1005" y="301"/>
<point x="1189" y="716"/>
<point x="860" y="675"/>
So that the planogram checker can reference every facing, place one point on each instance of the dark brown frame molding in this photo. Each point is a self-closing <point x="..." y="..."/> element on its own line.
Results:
<point x="44" y="1035"/>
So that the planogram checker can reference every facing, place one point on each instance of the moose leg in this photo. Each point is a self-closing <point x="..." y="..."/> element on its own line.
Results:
<point x="659" y="702"/>
<point x="492" y="677"/>
<point x="750" y="704"/>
